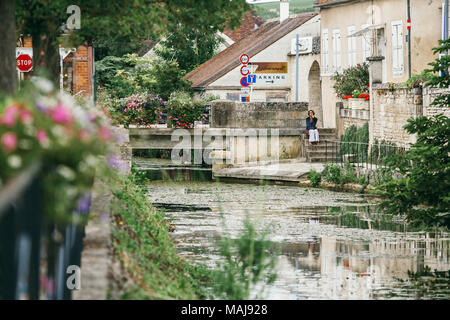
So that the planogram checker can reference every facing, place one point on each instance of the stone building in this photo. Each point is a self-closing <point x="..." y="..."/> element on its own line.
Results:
<point x="354" y="30"/>
<point x="270" y="47"/>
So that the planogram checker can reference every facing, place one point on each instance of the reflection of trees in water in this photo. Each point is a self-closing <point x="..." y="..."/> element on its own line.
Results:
<point x="427" y="284"/>
<point x="376" y="261"/>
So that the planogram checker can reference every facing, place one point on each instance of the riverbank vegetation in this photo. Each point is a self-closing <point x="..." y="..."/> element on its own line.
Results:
<point x="147" y="253"/>
<point x="422" y="191"/>
<point x="141" y="241"/>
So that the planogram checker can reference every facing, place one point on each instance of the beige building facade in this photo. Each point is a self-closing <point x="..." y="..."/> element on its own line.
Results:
<point x="353" y="30"/>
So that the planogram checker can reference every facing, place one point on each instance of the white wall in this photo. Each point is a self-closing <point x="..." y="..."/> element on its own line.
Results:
<point x="277" y="52"/>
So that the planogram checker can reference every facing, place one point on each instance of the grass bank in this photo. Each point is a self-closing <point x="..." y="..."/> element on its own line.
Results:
<point x="150" y="266"/>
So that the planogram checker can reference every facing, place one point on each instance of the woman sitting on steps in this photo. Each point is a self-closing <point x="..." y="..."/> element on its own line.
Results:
<point x="311" y="127"/>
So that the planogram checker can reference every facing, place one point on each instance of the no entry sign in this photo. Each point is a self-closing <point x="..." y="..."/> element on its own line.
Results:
<point x="24" y="63"/>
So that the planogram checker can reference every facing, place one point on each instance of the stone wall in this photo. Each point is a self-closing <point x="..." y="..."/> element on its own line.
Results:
<point x="392" y="107"/>
<point x="229" y="114"/>
<point x="429" y="94"/>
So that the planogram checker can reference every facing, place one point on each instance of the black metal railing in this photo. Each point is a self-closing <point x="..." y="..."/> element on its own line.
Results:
<point x="35" y="253"/>
<point x="369" y="156"/>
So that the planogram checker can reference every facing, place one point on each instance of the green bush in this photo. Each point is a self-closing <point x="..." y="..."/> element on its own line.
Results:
<point x="131" y="74"/>
<point x="339" y="176"/>
<point x="355" y="141"/>
<point x="332" y="173"/>
<point x="248" y="261"/>
<point x="314" y="177"/>
<point x="183" y="111"/>
<point x="352" y="78"/>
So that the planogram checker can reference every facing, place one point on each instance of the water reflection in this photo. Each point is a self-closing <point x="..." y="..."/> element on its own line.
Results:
<point x="333" y="245"/>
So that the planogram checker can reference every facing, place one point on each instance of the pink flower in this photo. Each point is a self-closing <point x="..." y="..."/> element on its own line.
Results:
<point x="61" y="114"/>
<point x="83" y="134"/>
<point x="9" y="141"/>
<point x="9" y="115"/>
<point x="104" y="133"/>
<point x="26" y="116"/>
<point x="42" y="136"/>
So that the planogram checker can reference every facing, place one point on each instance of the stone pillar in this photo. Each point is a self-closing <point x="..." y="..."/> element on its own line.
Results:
<point x="375" y="78"/>
<point x="122" y="149"/>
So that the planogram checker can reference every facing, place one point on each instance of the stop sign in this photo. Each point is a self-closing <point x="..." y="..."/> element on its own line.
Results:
<point x="24" y="62"/>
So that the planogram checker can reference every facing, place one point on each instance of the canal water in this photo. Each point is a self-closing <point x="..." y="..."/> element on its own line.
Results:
<point x="334" y="245"/>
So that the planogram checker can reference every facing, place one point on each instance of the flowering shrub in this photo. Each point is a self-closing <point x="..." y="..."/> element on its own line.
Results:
<point x="140" y="110"/>
<point x="183" y="111"/>
<point x="352" y="79"/>
<point x="41" y="125"/>
<point x="364" y="96"/>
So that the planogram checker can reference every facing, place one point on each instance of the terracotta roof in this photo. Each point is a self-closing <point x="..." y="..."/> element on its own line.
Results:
<point x="247" y="26"/>
<point x="252" y="44"/>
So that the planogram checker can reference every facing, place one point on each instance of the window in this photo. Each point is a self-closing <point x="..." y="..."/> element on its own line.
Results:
<point x="325" y="62"/>
<point x="365" y="39"/>
<point x="337" y="50"/>
<point x="397" y="48"/>
<point x="351" y="46"/>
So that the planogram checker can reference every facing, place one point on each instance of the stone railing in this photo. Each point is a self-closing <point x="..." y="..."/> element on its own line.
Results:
<point x="230" y="114"/>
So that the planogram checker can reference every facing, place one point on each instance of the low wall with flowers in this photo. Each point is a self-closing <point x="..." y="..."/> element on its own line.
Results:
<point x="352" y="111"/>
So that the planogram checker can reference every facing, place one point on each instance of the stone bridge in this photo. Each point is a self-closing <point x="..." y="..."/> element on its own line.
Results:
<point x="239" y="133"/>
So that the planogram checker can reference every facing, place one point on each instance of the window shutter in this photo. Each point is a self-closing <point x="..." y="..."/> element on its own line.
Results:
<point x="397" y="48"/>
<point x="351" y="46"/>
<point x="338" y="55"/>
<point x="325" y="62"/>
<point x="336" y="50"/>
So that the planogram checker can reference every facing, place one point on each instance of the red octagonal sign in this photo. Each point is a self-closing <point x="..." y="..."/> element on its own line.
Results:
<point x="24" y="62"/>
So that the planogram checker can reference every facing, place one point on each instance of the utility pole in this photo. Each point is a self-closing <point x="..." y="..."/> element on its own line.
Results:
<point x="409" y="38"/>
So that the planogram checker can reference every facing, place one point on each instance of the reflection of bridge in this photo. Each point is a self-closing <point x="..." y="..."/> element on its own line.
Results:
<point x="359" y="267"/>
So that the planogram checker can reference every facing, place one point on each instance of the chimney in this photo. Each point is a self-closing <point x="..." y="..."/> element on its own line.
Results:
<point x="284" y="10"/>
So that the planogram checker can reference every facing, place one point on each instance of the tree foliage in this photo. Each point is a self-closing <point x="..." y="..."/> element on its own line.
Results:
<point x="351" y="79"/>
<point x="135" y="20"/>
<point x="423" y="192"/>
<point x="189" y="47"/>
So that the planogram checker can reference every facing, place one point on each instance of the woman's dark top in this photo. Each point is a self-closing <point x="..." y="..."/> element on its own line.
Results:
<point x="311" y="125"/>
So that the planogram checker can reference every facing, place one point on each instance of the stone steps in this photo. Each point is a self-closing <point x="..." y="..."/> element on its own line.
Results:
<point x="316" y="153"/>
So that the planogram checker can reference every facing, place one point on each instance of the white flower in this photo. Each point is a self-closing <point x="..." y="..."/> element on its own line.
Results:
<point x="46" y="86"/>
<point x="58" y="131"/>
<point x="14" y="161"/>
<point x="66" y="172"/>
<point x="66" y="99"/>
<point x="91" y="160"/>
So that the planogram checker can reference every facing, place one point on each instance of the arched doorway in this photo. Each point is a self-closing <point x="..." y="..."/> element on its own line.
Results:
<point x="315" y="91"/>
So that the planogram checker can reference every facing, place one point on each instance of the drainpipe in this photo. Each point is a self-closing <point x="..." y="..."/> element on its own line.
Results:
<point x="409" y="38"/>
